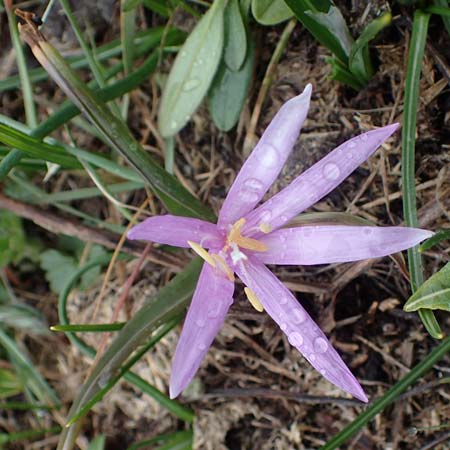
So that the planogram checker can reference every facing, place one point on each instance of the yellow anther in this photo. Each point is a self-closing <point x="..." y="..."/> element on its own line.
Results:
<point x="217" y="258"/>
<point x="244" y="242"/>
<point x="253" y="299"/>
<point x="266" y="228"/>
<point x="202" y="253"/>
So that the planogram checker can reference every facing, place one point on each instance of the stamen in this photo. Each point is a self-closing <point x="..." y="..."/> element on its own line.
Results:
<point x="253" y="299"/>
<point x="244" y="242"/>
<point x="202" y="253"/>
<point x="223" y="265"/>
<point x="266" y="228"/>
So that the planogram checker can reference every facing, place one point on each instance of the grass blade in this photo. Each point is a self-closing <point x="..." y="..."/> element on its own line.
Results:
<point x="176" y="198"/>
<point x="413" y="70"/>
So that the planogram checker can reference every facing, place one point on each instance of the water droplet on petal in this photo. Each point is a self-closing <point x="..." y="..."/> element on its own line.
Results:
<point x="265" y="216"/>
<point x="295" y="339"/>
<point x="201" y="346"/>
<point x="173" y="124"/>
<point x="249" y="196"/>
<point x="191" y="84"/>
<point x="284" y="218"/>
<point x="351" y="144"/>
<point x="298" y="316"/>
<point x="312" y="357"/>
<point x="254" y="184"/>
<point x="367" y="231"/>
<point x="283" y="300"/>
<point x="364" y="137"/>
<point x="267" y="156"/>
<point x="323" y="372"/>
<point x="200" y="323"/>
<point x="213" y="312"/>
<point x="331" y="171"/>
<point x="284" y="326"/>
<point x="320" y="345"/>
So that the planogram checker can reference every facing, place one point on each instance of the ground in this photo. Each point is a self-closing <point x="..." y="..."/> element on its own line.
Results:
<point x="254" y="391"/>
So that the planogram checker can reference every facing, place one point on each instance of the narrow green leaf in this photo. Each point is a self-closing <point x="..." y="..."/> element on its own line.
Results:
<point x="29" y="375"/>
<point x="359" y="60"/>
<point x="443" y="235"/>
<point x="445" y="15"/>
<point x="229" y="92"/>
<point x="235" y="46"/>
<point x="325" y="22"/>
<point x="412" y="81"/>
<point x="433" y="294"/>
<point x="9" y="384"/>
<point x="271" y="12"/>
<point x="88" y="327"/>
<point x="192" y="71"/>
<point x="166" y="305"/>
<point x="158" y="6"/>
<point x="177" y="199"/>
<point x="23" y="317"/>
<point x="98" y="443"/>
<point x="391" y="395"/>
<point x="164" y="438"/>
<point x="12" y="238"/>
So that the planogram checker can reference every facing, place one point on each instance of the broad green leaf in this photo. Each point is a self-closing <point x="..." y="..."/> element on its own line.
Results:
<point x="433" y="294"/>
<point x="359" y="59"/>
<point x="9" y="384"/>
<point x="192" y="71"/>
<point x="229" y="91"/>
<point x="324" y="21"/>
<point x="12" y="238"/>
<point x="235" y="46"/>
<point x="335" y="23"/>
<point x="59" y="268"/>
<point x="271" y="12"/>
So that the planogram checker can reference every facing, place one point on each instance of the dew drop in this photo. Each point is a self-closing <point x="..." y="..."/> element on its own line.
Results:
<point x="201" y="346"/>
<point x="323" y="372"/>
<point x="173" y="124"/>
<point x="283" y="300"/>
<point x="267" y="156"/>
<point x="295" y="339"/>
<point x="312" y="357"/>
<point x="253" y="184"/>
<point x="249" y="196"/>
<point x="213" y="313"/>
<point x="284" y="218"/>
<point x="284" y="326"/>
<point x="364" y="137"/>
<point x="367" y="231"/>
<point x="191" y="84"/>
<point x="351" y="144"/>
<point x="183" y="53"/>
<point x="298" y="316"/>
<point x="320" y="345"/>
<point x="200" y="323"/>
<point x="265" y="216"/>
<point x="331" y="171"/>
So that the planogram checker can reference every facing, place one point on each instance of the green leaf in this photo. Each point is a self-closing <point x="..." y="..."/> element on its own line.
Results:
<point x="59" y="268"/>
<point x="235" y="46"/>
<point x="91" y="276"/>
<point x="28" y="375"/>
<point x="158" y="6"/>
<point x="192" y="71"/>
<point x="229" y="91"/>
<point x="433" y="294"/>
<point x="12" y="238"/>
<point x="24" y="317"/>
<point x="9" y="384"/>
<point x="98" y="443"/>
<point x="271" y="12"/>
<point x="325" y="22"/>
<point x="439" y="236"/>
<point x="359" y="59"/>
<point x="334" y="21"/>
<point x="166" y="305"/>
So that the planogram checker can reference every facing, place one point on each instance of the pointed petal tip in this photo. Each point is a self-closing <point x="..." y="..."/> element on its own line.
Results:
<point x="390" y="129"/>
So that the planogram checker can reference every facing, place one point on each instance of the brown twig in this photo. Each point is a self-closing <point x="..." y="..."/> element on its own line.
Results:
<point x="61" y="225"/>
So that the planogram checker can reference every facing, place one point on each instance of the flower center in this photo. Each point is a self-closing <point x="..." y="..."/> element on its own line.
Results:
<point x="235" y="237"/>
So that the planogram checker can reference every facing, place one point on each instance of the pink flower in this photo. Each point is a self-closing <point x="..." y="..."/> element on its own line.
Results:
<point x="247" y="237"/>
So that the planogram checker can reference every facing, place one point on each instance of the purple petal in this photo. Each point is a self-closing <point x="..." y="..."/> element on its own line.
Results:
<point x="175" y="230"/>
<point x="266" y="160"/>
<point x="210" y="303"/>
<point x="301" y="330"/>
<point x="318" y="181"/>
<point x="336" y="243"/>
